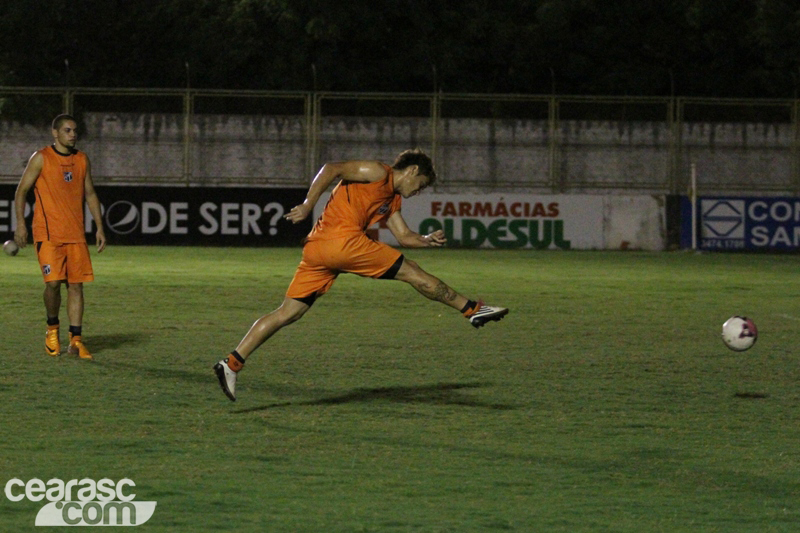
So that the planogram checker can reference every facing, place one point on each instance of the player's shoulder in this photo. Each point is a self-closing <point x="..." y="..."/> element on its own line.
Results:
<point x="377" y="170"/>
<point x="37" y="157"/>
<point x="364" y="171"/>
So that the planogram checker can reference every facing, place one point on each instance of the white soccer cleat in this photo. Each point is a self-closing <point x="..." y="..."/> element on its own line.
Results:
<point x="227" y="379"/>
<point x="487" y="313"/>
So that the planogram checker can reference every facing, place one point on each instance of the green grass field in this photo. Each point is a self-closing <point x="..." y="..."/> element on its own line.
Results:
<point x="605" y="401"/>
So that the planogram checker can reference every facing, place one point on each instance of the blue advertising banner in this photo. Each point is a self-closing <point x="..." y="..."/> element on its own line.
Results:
<point x="198" y="216"/>
<point x="742" y="223"/>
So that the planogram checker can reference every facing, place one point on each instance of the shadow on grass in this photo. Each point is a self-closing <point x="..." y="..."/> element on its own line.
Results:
<point x="437" y="394"/>
<point x="160" y="372"/>
<point x="99" y="343"/>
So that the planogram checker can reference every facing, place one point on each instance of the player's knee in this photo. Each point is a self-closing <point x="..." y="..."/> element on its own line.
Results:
<point x="409" y="271"/>
<point x="412" y="265"/>
<point x="75" y="288"/>
<point x="292" y="313"/>
<point x="418" y="278"/>
<point x="53" y="285"/>
<point x="289" y="318"/>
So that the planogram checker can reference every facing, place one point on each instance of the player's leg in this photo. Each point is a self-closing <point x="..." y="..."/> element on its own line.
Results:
<point x="75" y="303"/>
<point x="79" y="270"/>
<point x="365" y="257"/>
<point x="311" y="280"/>
<point x="52" y="305"/>
<point x="75" y="313"/>
<point x="428" y="285"/>
<point x="478" y="313"/>
<point x="291" y="310"/>
<point x="52" y="298"/>
<point x="52" y="262"/>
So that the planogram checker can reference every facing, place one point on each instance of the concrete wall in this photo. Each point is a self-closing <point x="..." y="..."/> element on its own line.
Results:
<point x="472" y="154"/>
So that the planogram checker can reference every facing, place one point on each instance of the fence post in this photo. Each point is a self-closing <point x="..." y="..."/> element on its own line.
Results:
<point x="672" y="171"/>
<point x="552" y="144"/>
<point x="676" y="145"/>
<point x="436" y="115"/>
<point x="188" y="106"/>
<point x="313" y="133"/>
<point x="693" y="200"/>
<point x="68" y="101"/>
<point x="796" y="146"/>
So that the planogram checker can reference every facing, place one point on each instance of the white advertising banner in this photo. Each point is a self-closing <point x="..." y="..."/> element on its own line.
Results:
<point x="507" y="220"/>
<point x="543" y="222"/>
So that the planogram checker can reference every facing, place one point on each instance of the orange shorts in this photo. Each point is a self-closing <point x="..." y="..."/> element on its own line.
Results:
<point x="65" y="261"/>
<point x="323" y="260"/>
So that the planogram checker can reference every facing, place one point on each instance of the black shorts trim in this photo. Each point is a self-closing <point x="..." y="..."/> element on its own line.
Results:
<point x="308" y="300"/>
<point x="392" y="272"/>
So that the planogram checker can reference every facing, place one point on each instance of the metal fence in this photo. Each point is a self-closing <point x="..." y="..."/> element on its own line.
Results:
<point x="479" y="142"/>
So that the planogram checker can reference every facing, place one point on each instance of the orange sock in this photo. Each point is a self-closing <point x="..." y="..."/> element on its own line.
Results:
<point x="470" y="308"/>
<point x="235" y="363"/>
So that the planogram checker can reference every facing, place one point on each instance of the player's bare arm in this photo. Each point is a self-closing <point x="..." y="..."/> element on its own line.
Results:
<point x="410" y="239"/>
<point x="29" y="177"/>
<point x="357" y="171"/>
<point x="93" y="202"/>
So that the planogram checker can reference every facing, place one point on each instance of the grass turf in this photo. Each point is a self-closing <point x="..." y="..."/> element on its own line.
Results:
<point x="605" y="401"/>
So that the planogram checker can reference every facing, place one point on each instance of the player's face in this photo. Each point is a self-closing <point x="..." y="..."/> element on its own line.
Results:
<point x="416" y="184"/>
<point x="67" y="134"/>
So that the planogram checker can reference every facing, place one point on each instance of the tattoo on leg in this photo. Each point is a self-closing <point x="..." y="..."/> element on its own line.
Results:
<point x="442" y="293"/>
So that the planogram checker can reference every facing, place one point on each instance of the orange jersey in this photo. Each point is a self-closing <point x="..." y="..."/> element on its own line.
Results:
<point x="59" y="192"/>
<point x="353" y="207"/>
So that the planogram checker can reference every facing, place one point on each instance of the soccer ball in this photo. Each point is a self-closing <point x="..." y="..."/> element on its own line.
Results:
<point x="10" y="247"/>
<point x="739" y="333"/>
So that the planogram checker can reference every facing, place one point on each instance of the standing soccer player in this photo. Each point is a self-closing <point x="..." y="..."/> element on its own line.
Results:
<point x="61" y="179"/>
<point x="368" y="192"/>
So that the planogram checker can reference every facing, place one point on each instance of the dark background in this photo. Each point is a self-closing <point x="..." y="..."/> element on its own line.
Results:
<point x="224" y="218"/>
<point x="730" y="48"/>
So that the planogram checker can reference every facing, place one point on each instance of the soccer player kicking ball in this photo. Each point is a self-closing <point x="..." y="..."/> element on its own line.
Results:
<point x="368" y="192"/>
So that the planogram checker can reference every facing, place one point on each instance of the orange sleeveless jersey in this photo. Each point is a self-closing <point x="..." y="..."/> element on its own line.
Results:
<point x="354" y="207"/>
<point x="59" y="191"/>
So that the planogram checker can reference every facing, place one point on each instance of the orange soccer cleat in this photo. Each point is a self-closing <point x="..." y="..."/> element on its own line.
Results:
<point x="52" y="346"/>
<point x="76" y="347"/>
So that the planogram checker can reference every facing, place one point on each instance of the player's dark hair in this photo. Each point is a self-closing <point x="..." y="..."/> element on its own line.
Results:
<point x="61" y="119"/>
<point x="419" y="158"/>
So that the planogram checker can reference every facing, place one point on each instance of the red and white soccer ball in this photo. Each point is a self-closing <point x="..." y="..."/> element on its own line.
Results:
<point x="739" y="333"/>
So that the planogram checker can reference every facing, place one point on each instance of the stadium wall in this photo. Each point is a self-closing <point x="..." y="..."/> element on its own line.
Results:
<point x="613" y="181"/>
<point x="477" y="155"/>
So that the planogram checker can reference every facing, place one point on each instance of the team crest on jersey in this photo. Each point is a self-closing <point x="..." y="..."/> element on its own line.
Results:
<point x="68" y="176"/>
<point x="46" y="270"/>
<point x="382" y="210"/>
